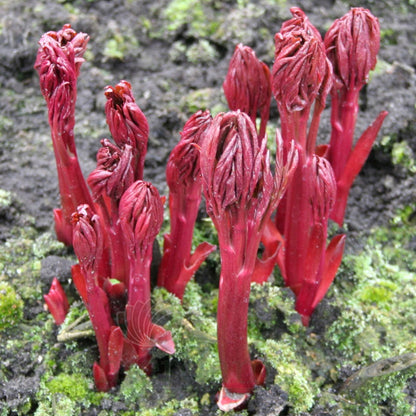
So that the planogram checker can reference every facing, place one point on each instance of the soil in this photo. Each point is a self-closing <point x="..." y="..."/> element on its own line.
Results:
<point x="166" y="62"/>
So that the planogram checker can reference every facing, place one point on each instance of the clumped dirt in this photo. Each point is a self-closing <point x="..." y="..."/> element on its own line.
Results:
<point x="155" y="62"/>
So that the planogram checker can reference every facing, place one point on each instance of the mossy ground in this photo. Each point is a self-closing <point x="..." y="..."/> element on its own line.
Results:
<point x="175" y="53"/>
<point x="373" y="298"/>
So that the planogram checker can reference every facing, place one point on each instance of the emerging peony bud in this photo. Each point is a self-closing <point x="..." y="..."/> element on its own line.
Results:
<point x="58" y="62"/>
<point x="59" y="58"/>
<point x="87" y="238"/>
<point x="301" y="78"/>
<point x="182" y="169"/>
<point x="301" y="71"/>
<point x="141" y="215"/>
<point x="352" y="44"/>
<point x="325" y="188"/>
<point x="234" y="169"/>
<point x="127" y="123"/>
<point x="183" y="176"/>
<point x="240" y="194"/>
<point x="114" y="172"/>
<point x="247" y="86"/>
<point x="299" y="21"/>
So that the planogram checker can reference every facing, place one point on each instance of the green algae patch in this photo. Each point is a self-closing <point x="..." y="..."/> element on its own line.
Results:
<point x="202" y="99"/>
<point x="402" y="155"/>
<point x="11" y="307"/>
<point x="66" y="395"/>
<point x="137" y="393"/>
<point x="5" y="197"/>
<point x="292" y="375"/>
<point x="74" y="386"/>
<point x="365" y="400"/>
<point x="20" y="259"/>
<point x="376" y="297"/>
<point x="200" y="19"/>
<point x="136" y="387"/>
<point x="193" y="328"/>
<point x="171" y="408"/>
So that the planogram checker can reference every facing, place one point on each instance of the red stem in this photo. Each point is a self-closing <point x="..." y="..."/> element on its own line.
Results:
<point x="298" y="220"/>
<point x="72" y="184"/>
<point x="178" y="244"/>
<point x="139" y="318"/>
<point x="100" y="316"/>
<point x="344" y="110"/>
<point x="238" y="256"/>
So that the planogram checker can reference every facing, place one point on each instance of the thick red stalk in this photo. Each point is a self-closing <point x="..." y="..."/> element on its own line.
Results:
<point x="58" y="62"/>
<point x="297" y="222"/>
<point x="352" y="43"/>
<point x="231" y="174"/>
<point x="302" y="78"/>
<point x="139" y="304"/>
<point x="141" y="216"/>
<point x="108" y="181"/>
<point x="178" y="265"/>
<point x="184" y="180"/>
<point x="237" y="266"/>
<point x="88" y="247"/>
<point x="344" y="111"/>
<point x="353" y="166"/>
<point x="240" y="194"/>
<point x="307" y="264"/>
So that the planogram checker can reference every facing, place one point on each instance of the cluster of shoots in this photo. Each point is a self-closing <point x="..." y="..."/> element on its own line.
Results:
<point x="113" y="218"/>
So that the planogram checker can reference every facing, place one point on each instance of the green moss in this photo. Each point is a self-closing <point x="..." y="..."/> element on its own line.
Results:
<point x="381" y="395"/>
<point x="293" y="376"/>
<point x="171" y="407"/>
<point x="202" y="52"/>
<point x="20" y="258"/>
<point x="116" y="47"/>
<point x="388" y="36"/>
<point x="199" y="18"/>
<point x="381" y="68"/>
<point x="61" y="406"/>
<point x="400" y="150"/>
<point x="382" y="292"/>
<point x="66" y="394"/>
<point x="278" y="3"/>
<point x="121" y="44"/>
<point x="11" y="307"/>
<point x="5" y="124"/>
<point x="271" y="138"/>
<point x="5" y="197"/>
<point x="74" y="386"/>
<point x="205" y="231"/>
<point x="136" y="387"/>
<point x="378" y="304"/>
<point x="270" y="303"/>
<point x="202" y="99"/>
<point x="402" y="155"/>
<point x="193" y="328"/>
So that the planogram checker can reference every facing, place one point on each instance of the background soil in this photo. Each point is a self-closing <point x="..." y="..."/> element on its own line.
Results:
<point x="176" y="64"/>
